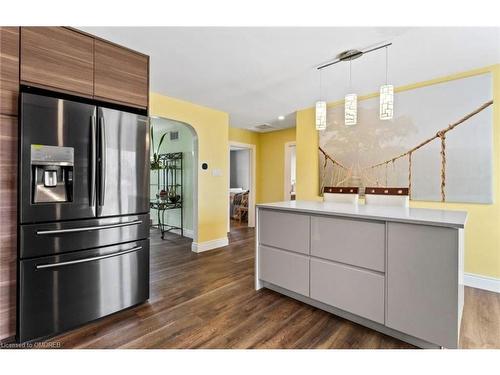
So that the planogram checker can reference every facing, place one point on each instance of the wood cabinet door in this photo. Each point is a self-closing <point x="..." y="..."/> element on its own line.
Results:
<point x="8" y="225"/>
<point x="9" y="70"/>
<point x="58" y="58"/>
<point x="121" y="75"/>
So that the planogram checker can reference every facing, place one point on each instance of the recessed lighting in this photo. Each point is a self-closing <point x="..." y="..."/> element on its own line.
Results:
<point x="281" y="118"/>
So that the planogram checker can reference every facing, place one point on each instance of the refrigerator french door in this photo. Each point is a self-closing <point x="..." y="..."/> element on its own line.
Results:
<point x="124" y="163"/>
<point x="83" y="218"/>
<point x="50" y="125"/>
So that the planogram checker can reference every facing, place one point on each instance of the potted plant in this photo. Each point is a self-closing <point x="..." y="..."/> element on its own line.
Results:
<point x="155" y="161"/>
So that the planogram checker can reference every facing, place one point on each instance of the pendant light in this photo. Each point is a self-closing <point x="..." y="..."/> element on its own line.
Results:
<point x="386" y="95"/>
<point x="320" y="109"/>
<point x="320" y="115"/>
<point x="351" y="103"/>
<point x="351" y="100"/>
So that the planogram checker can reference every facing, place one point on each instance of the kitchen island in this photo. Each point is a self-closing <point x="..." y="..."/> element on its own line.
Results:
<point x="394" y="269"/>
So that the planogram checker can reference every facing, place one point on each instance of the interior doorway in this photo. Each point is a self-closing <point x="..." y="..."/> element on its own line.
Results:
<point x="241" y="193"/>
<point x="173" y="178"/>
<point x="290" y="171"/>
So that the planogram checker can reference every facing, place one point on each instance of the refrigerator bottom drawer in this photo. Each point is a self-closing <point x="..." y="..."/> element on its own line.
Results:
<point x="58" y="293"/>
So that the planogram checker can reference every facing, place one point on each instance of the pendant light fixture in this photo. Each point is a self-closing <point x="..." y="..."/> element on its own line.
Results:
<point x="351" y="103"/>
<point x="320" y="115"/>
<point x="351" y="100"/>
<point x="386" y="95"/>
<point x="320" y="109"/>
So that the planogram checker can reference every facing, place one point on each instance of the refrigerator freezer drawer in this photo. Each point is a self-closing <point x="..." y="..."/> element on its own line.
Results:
<point x="58" y="293"/>
<point x="38" y="240"/>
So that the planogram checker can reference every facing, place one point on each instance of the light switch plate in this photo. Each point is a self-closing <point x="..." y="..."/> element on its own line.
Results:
<point x="216" y="172"/>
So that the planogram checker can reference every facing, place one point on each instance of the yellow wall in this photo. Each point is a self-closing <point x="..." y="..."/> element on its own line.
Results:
<point x="244" y="136"/>
<point x="482" y="234"/>
<point x="271" y="165"/>
<point x="270" y="169"/>
<point x="213" y="132"/>
<point x="212" y="128"/>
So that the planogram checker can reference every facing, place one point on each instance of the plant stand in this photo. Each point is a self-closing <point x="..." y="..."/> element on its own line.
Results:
<point x="170" y="180"/>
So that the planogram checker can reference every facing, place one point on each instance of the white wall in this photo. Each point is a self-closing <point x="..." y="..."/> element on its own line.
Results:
<point x="239" y="167"/>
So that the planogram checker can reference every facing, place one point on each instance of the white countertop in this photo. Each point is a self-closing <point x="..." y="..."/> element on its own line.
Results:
<point x="444" y="218"/>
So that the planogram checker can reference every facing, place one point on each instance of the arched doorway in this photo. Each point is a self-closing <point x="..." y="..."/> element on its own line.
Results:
<point x="174" y="177"/>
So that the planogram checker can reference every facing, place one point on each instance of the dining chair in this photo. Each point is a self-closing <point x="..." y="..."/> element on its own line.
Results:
<point x="387" y="196"/>
<point x="342" y="194"/>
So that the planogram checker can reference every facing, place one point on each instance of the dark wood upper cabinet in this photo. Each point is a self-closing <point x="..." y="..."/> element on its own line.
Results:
<point x="121" y="75"/>
<point x="58" y="58"/>
<point x="9" y="70"/>
<point x="67" y="60"/>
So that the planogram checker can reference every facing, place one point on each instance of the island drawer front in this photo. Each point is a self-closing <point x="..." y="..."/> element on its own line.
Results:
<point x="357" y="242"/>
<point x="354" y="290"/>
<point x="284" y="230"/>
<point x="285" y="269"/>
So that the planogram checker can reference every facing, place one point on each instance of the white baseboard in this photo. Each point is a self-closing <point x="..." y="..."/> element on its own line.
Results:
<point x="199" y="247"/>
<point x="482" y="282"/>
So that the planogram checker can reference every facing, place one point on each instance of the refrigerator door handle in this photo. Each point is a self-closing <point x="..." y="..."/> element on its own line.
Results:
<point x="91" y="259"/>
<point x="102" y="140"/>
<point x="93" y="157"/>
<point x="85" y="229"/>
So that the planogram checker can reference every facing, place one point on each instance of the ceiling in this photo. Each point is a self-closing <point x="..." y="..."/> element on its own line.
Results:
<point x="257" y="74"/>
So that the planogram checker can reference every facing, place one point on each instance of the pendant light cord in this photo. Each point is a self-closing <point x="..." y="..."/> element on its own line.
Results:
<point x="320" y="87"/>
<point x="386" y="64"/>
<point x="350" y="75"/>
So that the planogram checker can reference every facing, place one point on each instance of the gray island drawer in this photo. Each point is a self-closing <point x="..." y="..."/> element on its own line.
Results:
<point x="357" y="242"/>
<point x="285" y="269"/>
<point x="354" y="290"/>
<point x="284" y="230"/>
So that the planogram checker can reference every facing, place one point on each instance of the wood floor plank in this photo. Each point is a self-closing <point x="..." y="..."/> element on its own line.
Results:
<point x="208" y="300"/>
<point x="481" y="320"/>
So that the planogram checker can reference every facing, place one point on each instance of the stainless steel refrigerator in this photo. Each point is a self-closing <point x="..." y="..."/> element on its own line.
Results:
<point x="83" y="235"/>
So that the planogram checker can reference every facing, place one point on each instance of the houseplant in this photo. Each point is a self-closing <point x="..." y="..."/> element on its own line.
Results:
<point x="155" y="161"/>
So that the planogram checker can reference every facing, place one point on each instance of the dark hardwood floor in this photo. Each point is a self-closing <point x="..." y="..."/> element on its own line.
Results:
<point x="236" y="224"/>
<point x="208" y="300"/>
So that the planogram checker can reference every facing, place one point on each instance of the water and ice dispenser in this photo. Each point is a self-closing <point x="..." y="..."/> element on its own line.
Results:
<point x="52" y="174"/>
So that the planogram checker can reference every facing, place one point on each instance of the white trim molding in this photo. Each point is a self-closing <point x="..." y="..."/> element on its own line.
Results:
<point x="198" y="247"/>
<point x="482" y="282"/>
<point x="287" y="170"/>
